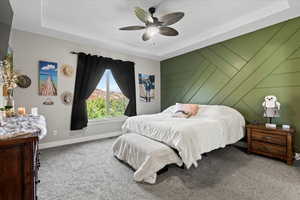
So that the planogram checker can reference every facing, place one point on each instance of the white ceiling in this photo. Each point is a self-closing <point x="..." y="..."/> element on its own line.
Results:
<point x="96" y="22"/>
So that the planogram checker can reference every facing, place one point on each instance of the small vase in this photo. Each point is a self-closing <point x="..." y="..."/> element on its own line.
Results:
<point x="9" y="104"/>
<point x="2" y="117"/>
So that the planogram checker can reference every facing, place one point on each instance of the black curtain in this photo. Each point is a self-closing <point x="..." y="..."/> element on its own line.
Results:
<point x="90" y="69"/>
<point x="124" y="75"/>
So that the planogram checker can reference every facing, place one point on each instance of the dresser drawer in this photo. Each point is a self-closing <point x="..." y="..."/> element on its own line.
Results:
<point x="261" y="147"/>
<point x="270" y="138"/>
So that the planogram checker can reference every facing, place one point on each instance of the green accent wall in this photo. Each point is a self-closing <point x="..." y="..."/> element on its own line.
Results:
<point x="240" y="72"/>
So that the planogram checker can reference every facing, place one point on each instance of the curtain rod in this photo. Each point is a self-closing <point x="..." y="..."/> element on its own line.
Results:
<point x="74" y="52"/>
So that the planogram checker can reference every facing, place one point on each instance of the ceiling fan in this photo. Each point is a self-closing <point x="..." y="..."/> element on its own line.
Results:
<point x="154" y="25"/>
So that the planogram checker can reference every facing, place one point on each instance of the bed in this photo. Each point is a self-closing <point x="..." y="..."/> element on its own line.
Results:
<point x="213" y="127"/>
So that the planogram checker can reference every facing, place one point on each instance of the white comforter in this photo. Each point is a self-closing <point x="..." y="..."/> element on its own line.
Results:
<point x="212" y="128"/>
<point x="146" y="156"/>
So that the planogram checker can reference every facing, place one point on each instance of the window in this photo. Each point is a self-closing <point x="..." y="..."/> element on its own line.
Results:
<point x="107" y="99"/>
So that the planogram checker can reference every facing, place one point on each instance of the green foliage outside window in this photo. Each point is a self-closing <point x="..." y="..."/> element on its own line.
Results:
<point x="96" y="108"/>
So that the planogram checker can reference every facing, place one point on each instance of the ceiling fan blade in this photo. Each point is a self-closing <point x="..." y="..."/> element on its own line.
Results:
<point x="167" y="31"/>
<point x="132" y="28"/>
<point x="146" y="36"/>
<point x="171" y="18"/>
<point x="143" y="15"/>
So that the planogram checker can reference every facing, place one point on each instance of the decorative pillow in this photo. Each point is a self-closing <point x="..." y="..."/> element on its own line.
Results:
<point x="181" y="114"/>
<point x="189" y="109"/>
<point x="194" y="108"/>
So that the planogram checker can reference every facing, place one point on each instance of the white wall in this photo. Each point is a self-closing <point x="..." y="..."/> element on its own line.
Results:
<point x="30" y="48"/>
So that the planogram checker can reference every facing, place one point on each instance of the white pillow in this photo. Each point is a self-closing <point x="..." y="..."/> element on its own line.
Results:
<point x="170" y="110"/>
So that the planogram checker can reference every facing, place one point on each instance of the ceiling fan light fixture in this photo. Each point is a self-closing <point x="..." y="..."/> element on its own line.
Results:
<point x="152" y="30"/>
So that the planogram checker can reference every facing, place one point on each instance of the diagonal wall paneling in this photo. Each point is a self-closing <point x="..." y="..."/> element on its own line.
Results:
<point x="240" y="72"/>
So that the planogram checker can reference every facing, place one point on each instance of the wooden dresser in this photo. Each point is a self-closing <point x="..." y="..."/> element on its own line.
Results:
<point x="19" y="164"/>
<point x="276" y="143"/>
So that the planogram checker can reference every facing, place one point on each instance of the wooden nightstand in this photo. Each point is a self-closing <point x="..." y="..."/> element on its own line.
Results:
<point x="276" y="143"/>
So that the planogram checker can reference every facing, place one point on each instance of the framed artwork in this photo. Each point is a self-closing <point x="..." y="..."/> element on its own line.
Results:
<point x="47" y="78"/>
<point x="147" y="87"/>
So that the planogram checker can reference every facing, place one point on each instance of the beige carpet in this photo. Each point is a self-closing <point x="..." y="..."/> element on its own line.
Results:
<point x="88" y="171"/>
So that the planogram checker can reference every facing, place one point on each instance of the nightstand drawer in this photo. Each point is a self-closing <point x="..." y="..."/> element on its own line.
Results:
<point x="270" y="138"/>
<point x="261" y="147"/>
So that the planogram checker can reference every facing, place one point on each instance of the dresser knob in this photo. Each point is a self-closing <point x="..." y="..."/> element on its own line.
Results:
<point x="267" y="137"/>
<point x="37" y="182"/>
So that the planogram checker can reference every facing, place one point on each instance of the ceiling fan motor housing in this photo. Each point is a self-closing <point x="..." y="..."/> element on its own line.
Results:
<point x="152" y="10"/>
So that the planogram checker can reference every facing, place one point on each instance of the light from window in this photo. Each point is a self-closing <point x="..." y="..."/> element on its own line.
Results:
<point x="107" y="100"/>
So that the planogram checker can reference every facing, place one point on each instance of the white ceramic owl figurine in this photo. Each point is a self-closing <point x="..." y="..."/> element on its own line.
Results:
<point x="271" y="106"/>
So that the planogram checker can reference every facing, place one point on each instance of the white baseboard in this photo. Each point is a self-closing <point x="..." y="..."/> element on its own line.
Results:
<point x="78" y="140"/>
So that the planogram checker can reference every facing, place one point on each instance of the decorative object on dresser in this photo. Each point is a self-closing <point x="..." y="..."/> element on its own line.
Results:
<point x="21" y="111"/>
<point x="34" y="111"/>
<point x="271" y="109"/>
<point x="272" y="142"/>
<point x="19" y="157"/>
<point x="9" y="79"/>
